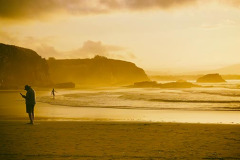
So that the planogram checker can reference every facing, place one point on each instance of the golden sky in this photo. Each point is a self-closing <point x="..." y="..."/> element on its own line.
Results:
<point x="154" y="34"/>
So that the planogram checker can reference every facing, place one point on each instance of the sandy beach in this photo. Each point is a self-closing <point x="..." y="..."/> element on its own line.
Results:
<point x="73" y="132"/>
<point x="117" y="140"/>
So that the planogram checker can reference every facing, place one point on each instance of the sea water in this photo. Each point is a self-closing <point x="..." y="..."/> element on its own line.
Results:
<point x="212" y="103"/>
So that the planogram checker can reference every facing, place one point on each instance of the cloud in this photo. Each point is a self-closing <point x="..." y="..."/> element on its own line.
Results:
<point x="88" y="50"/>
<point x="223" y="23"/>
<point x="156" y="4"/>
<point x="91" y="48"/>
<point x="39" y="45"/>
<point x="39" y="9"/>
<point x="233" y="3"/>
<point x="48" y="51"/>
<point x="7" y="38"/>
<point x="29" y="9"/>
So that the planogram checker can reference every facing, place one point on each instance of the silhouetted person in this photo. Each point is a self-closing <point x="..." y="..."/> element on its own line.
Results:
<point x="30" y="102"/>
<point x="53" y="92"/>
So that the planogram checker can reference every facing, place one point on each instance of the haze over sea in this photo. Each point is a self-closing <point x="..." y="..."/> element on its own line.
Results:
<point x="216" y="103"/>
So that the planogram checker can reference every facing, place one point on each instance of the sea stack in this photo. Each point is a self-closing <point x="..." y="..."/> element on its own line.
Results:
<point x="211" y="78"/>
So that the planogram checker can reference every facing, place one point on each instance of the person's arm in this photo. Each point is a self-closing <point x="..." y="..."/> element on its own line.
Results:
<point x="23" y="95"/>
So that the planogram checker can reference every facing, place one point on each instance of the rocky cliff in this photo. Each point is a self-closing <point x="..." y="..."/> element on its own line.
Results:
<point x="20" y="66"/>
<point x="99" y="71"/>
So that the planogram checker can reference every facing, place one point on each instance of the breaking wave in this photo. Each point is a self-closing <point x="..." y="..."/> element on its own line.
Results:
<point x="204" y="99"/>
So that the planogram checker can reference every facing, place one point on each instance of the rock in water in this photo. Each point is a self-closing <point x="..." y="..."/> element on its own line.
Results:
<point x="145" y="84"/>
<point x="154" y="84"/>
<point x="211" y="78"/>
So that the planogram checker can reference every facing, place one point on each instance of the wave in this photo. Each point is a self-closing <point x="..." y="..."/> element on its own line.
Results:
<point x="154" y="108"/>
<point x="220" y="93"/>
<point x="132" y="107"/>
<point x="194" y="101"/>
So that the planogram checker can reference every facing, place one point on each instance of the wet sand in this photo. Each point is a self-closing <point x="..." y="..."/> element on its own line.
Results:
<point x="117" y="140"/>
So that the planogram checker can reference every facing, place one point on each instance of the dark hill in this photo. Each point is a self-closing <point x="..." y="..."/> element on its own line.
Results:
<point x="20" y="66"/>
<point x="99" y="71"/>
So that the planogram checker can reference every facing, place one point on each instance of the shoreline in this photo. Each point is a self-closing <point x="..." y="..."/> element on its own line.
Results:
<point x="45" y="119"/>
<point x="68" y="113"/>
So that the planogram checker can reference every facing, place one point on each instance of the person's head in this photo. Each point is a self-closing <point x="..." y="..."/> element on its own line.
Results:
<point x="27" y="87"/>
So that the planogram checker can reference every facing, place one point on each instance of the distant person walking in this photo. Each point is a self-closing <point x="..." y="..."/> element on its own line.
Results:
<point x="53" y="92"/>
<point x="30" y="102"/>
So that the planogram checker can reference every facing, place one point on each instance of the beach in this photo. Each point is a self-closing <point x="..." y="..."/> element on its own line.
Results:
<point x="117" y="140"/>
<point x="122" y="124"/>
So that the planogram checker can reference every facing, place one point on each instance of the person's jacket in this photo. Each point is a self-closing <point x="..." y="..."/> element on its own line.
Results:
<point x="30" y="97"/>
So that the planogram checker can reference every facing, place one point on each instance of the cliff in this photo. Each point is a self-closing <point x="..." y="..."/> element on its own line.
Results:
<point x="211" y="78"/>
<point x="99" y="71"/>
<point x="20" y="66"/>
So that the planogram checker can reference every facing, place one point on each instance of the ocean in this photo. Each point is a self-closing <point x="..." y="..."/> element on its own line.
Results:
<point x="212" y="103"/>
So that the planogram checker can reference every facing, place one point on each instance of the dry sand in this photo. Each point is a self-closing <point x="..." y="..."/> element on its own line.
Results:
<point x="117" y="140"/>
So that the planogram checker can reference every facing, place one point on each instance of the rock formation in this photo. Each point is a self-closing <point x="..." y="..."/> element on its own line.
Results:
<point x="99" y="71"/>
<point x="20" y="66"/>
<point x="211" y="78"/>
<point x="154" y="84"/>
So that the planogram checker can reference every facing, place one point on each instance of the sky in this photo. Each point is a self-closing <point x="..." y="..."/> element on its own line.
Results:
<point x="157" y="35"/>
